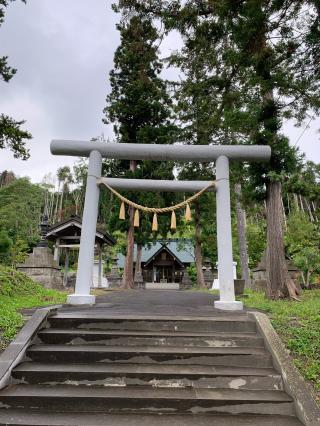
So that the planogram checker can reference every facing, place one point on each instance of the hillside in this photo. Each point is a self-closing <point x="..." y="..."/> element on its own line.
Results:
<point x="18" y="291"/>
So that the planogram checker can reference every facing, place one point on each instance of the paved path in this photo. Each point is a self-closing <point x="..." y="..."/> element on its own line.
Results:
<point x="152" y="302"/>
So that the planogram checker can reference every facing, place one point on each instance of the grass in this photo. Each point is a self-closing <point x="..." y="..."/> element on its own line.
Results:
<point x="298" y="324"/>
<point x="18" y="291"/>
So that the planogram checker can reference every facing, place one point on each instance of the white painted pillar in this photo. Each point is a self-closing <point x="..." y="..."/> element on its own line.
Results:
<point x="88" y="233"/>
<point x="100" y="267"/>
<point x="66" y="268"/>
<point x="235" y="270"/>
<point x="56" y="251"/>
<point x="224" y="238"/>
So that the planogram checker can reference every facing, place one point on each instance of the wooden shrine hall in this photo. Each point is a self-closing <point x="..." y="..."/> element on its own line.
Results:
<point x="66" y="235"/>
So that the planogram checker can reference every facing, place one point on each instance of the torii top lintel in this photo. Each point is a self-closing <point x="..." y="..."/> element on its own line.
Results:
<point x="157" y="152"/>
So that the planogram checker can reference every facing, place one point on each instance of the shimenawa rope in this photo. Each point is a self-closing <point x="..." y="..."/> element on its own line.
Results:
<point x="156" y="210"/>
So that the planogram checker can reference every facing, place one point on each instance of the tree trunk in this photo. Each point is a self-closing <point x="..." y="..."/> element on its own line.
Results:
<point x="309" y="209"/>
<point x="308" y="279"/>
<point x="66" y="268"/>
<point x="301" y="203"/>
<point x="77" y="208"/>
<point x="55" y="217"/>
<point x="279" y="282"/>
<point x="242" y="237"/>
<point x="127" y="280"/>
<point x="288" y="201"/>
<point x="284" y="215"/>
<point x="60" y="207"/>
<point x="138" y="261"/>
<point x="51" y="206"/>
<point x="198" y="254"/>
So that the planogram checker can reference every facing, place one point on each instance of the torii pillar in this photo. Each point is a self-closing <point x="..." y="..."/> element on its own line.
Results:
<point x="219" y="153"/>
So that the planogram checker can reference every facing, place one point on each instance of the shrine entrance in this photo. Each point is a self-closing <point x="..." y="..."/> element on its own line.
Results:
<point x="220" y="154"/>
<point x="163" y="274"/>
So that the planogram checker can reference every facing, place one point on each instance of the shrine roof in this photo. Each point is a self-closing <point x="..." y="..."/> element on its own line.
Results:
<point x="182" y="249"/>
<point x="71" y="228"/>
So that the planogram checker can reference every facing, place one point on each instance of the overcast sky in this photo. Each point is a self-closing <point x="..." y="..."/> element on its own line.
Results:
<point x="63" y="50"/>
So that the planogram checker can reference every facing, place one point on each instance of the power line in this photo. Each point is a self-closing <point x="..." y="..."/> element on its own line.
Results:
<point x="303" y="131"/>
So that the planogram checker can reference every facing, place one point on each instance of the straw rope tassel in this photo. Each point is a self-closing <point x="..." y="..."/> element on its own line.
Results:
<point x="136" y="222"/>
<point x="173" y="220"/>
<point x="122" y="213"/>
<point x="155" y="222"/>
<point x="188" y="213"/>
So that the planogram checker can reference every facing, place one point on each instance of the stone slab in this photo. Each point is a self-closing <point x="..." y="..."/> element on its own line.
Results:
<point x="162" y="286"/>
<point x="17" y="349"/>
<point x="43" y="418"/>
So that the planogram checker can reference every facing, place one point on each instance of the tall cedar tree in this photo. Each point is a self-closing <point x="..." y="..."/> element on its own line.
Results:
<point x="193" y="112"/>
<point x="140" y="108"/>
<point x="11" y="134"/>
<point x="199" y="101"/>
<point x="270" y="53"/>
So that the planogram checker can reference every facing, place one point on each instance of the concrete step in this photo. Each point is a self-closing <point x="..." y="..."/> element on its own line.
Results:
<point x="147" y="338"/>
<point x="220" y="323"/>
<point x="158" y="375"/>
<point x="146" y="400"/>
<point x="45" y="418"/>
<point x="244" y="357"/>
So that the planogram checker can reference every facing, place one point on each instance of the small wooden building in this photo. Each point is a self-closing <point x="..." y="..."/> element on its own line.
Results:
<point x="164" y="261"/>
<point x="66" y="235"/>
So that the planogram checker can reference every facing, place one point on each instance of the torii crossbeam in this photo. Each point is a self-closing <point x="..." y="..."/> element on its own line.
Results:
<point x="221" y="154"/>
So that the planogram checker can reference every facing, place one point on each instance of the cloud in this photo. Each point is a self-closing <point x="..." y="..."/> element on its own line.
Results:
<point x="63" y="51"/>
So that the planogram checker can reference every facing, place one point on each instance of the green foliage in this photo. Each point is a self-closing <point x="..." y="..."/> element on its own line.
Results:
<point x="305" y="181"/>
<point x="13" y="137"/>
<point x="5" y="243"/>
<point x="6" y="72"/>
<point x="18" y="252"/>
<point x="298" y="324"/>
<point x="18" y="291"/>
<point x="256" y="239"/>
<point x="138" y="102"/>
<point x="119" y="247"/>
<point x="20" y="209"/>
<point x="141" y="109"/>
<point x="302" y="241"/>
<point x="192" y="271"/>
<point x="246" y="72"/>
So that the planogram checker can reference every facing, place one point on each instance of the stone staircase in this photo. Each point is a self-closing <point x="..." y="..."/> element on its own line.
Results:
<point x="88" y="369"/>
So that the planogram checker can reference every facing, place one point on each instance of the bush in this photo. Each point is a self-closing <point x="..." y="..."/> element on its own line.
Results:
<point x="18" y="291"/>
<point x="298" y="324"/>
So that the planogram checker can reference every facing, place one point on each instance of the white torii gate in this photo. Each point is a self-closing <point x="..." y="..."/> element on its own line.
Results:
<point x="221" y="154"/>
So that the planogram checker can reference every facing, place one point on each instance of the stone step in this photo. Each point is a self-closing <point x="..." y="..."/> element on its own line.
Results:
<point x="147" y="338"/>
<point x="45" y="418"/>
<point x="244" y="357"/>
<point x="158" y="375"/>
<point x="220" y="323"/>
<point x="146" y="400"/>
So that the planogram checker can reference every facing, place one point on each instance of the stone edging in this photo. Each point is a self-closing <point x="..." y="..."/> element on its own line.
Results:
<point x="15" y="352"/>
<point x="306" y="406"/>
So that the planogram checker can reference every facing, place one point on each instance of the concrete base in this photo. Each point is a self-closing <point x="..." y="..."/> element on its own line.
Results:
<point x="228" y="306"/>
<point x="162" y="286"/>
<point x="41" y="267"/>
<point x="81" y="299"/>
